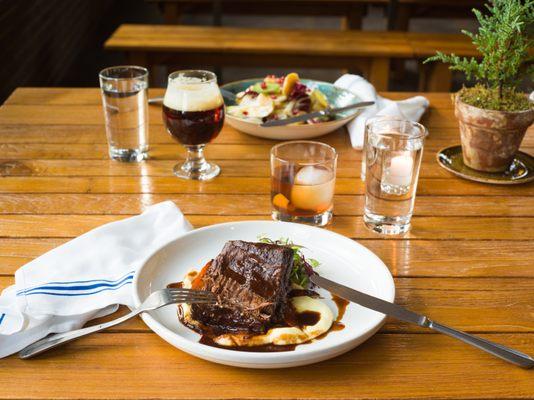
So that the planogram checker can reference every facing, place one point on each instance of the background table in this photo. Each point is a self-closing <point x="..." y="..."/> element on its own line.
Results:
<point x="467" y="262"/>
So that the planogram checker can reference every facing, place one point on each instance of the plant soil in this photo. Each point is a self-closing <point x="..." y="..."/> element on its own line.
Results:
<point x="488" y="99"/>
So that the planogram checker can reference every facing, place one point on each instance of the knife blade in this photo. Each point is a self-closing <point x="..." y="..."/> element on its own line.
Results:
<point x="315" y="114"/>
<point x="374" y="303"/>
<point x="385" y="307"/>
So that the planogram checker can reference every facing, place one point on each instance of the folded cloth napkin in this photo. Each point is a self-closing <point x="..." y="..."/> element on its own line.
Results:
<point x="86" y="278"/>
<point x="411" y="109"/>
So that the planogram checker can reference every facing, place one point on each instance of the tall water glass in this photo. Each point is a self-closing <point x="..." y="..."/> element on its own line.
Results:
<point x="303" y="177"/>
<point x="125" y="100"/>
<point x="193" y="113"/>
<point x="368" y="124"/>
<point x="393" y="153"/>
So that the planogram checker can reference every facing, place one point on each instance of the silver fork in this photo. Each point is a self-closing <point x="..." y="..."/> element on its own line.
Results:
<point x="156" y="300"/>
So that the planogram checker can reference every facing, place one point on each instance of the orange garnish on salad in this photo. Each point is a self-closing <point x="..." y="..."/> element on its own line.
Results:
<point x="289" y="82"/>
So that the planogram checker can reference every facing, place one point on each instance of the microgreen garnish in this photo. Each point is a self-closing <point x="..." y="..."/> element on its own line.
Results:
<point x="302" y="267"/>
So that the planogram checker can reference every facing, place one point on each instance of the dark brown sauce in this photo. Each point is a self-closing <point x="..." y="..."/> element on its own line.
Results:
<point x="291" y="318"/>
<point x="341" y="306"/>
<point x="296" y="319"/>
<point x="308" y="318"/>
<point x="266" y="348"/>
<point x="177" y="285"/>
<point x="337" y="325"/>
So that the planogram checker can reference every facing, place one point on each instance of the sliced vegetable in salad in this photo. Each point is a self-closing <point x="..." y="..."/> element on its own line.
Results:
<point x="278" y="98"/>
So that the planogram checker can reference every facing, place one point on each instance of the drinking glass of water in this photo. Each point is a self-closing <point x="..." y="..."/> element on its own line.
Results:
<point x="393" y="152"/>
<point x="368" y="126"/>
<point x="125" y="100"/>
<point x="303" y="177"/>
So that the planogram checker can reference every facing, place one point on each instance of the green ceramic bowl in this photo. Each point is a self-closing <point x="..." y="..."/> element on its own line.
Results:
<point x="336" y="97"/>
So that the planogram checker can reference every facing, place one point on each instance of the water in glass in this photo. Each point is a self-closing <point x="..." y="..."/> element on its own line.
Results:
<point x="392" y="169"/>
<point x="125" y="101"/>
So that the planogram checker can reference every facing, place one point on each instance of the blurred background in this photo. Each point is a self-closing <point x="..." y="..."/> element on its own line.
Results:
<point x="61" y="42"/>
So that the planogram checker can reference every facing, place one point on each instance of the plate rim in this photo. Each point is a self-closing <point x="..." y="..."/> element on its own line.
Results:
<point x="260" y="359"/>
<point x="479" y="180"/>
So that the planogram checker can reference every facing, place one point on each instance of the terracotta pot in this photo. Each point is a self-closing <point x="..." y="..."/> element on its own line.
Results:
<point x="490" y="139"/>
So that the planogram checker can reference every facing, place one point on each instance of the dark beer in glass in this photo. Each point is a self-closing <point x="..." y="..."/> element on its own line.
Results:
<point x="193" y="113"/>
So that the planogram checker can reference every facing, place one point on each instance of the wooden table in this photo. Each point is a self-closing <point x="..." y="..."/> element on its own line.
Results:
<point x="468" y="261"/>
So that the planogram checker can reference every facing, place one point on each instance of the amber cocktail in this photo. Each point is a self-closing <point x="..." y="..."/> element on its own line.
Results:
<point x="303" y="176"/>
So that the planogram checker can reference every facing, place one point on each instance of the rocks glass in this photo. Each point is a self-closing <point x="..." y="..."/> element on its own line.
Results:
<point x="393" y="152"/>
<point x="193" y="113"/>
<point x="125" y="100"/>
<point x="303" y="176"/>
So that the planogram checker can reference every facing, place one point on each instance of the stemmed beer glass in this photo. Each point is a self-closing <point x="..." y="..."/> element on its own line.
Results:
<point x="193" y="113"/>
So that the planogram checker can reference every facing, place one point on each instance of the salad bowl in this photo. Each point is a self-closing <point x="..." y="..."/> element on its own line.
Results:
<point x="336" y="97"/>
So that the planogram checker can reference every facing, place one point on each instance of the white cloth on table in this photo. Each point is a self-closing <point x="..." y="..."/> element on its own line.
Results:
<point x="86" y="278"/>
<point x="410" y="109"/>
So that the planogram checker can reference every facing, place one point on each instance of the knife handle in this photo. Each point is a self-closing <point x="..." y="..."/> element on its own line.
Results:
<point x="515" y="357"/>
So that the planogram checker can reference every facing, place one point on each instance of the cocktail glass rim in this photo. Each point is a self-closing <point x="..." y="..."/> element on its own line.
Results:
<point x="293" y="142"/>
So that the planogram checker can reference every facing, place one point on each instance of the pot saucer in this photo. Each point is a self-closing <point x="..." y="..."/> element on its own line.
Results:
<point x="521" y="170"/>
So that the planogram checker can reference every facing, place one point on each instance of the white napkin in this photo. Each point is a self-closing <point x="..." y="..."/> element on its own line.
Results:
<point x="411" y="109"/>
<point x="83" y="279"/>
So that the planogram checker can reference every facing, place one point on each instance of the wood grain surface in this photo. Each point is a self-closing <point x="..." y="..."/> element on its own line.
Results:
<point x="285" y="41"/>
<point x="468" y="260"/>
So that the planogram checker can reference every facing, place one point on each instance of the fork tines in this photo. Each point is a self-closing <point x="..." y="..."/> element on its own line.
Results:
<point x="181" y="295"/>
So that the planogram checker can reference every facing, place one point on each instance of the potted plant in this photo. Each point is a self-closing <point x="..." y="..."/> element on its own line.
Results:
<point x="493" y="114"/>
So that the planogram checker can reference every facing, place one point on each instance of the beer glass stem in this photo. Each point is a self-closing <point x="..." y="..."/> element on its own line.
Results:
<point x="196" y="166"/>
<point x="195" y="161"/>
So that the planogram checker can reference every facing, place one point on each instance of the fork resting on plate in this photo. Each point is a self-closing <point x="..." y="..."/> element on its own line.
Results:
<point x="156" y="300"/>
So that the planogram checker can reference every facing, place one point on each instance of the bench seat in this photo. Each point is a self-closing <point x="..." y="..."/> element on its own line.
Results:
<point x="368" y="51"/>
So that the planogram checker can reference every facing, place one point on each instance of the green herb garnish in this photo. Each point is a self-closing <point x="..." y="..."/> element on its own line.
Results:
<point x="300" y="274"/>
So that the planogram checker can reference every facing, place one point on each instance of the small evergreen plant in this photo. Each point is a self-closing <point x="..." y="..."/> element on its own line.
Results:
<point x="504" y="40"/>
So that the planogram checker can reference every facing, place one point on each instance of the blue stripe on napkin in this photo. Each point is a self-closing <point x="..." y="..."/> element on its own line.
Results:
<point x="68" y="286"/>
<point x="2" y="318"/>
<point x="81" y="293"/>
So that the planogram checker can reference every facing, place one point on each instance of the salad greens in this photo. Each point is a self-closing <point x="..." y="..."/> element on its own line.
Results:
<point x="302" y="267"/>
<point x="279" y="98"/>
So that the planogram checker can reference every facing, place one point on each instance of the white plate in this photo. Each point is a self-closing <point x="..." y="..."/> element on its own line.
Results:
<point x="288" y="132"/>
<point x="342" y="260"/>
<point x="337" y="97"/>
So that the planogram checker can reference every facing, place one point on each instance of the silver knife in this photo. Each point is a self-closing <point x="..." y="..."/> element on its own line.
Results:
<point x="323" y="113"/>
<point x="385" y="307"/>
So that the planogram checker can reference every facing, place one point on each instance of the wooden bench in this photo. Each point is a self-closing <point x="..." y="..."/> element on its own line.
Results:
<point x="369" y="52"/>
<point x="399" y="12"/>
<point x="351" y="11"/>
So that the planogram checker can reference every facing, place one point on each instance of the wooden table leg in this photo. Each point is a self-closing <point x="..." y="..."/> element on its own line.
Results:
<point x="378" y="73"/>
<point x="141" y="58"/>
<point x="171" y="12"/>
<point x="438" y="78"/>
<point x="137" y="58"/>
<point x="354" y="17"/>
<point x="399" y="20"/>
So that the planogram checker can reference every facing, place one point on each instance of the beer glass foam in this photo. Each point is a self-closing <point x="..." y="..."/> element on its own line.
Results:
<point x="192" y="94"/>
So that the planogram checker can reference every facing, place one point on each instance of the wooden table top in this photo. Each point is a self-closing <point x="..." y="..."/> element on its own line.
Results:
<point x="467" y="262"/>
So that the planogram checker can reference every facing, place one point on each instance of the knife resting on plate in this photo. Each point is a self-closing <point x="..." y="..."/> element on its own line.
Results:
<point x="316" y="114"/>
<point x="403" y="314"/>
